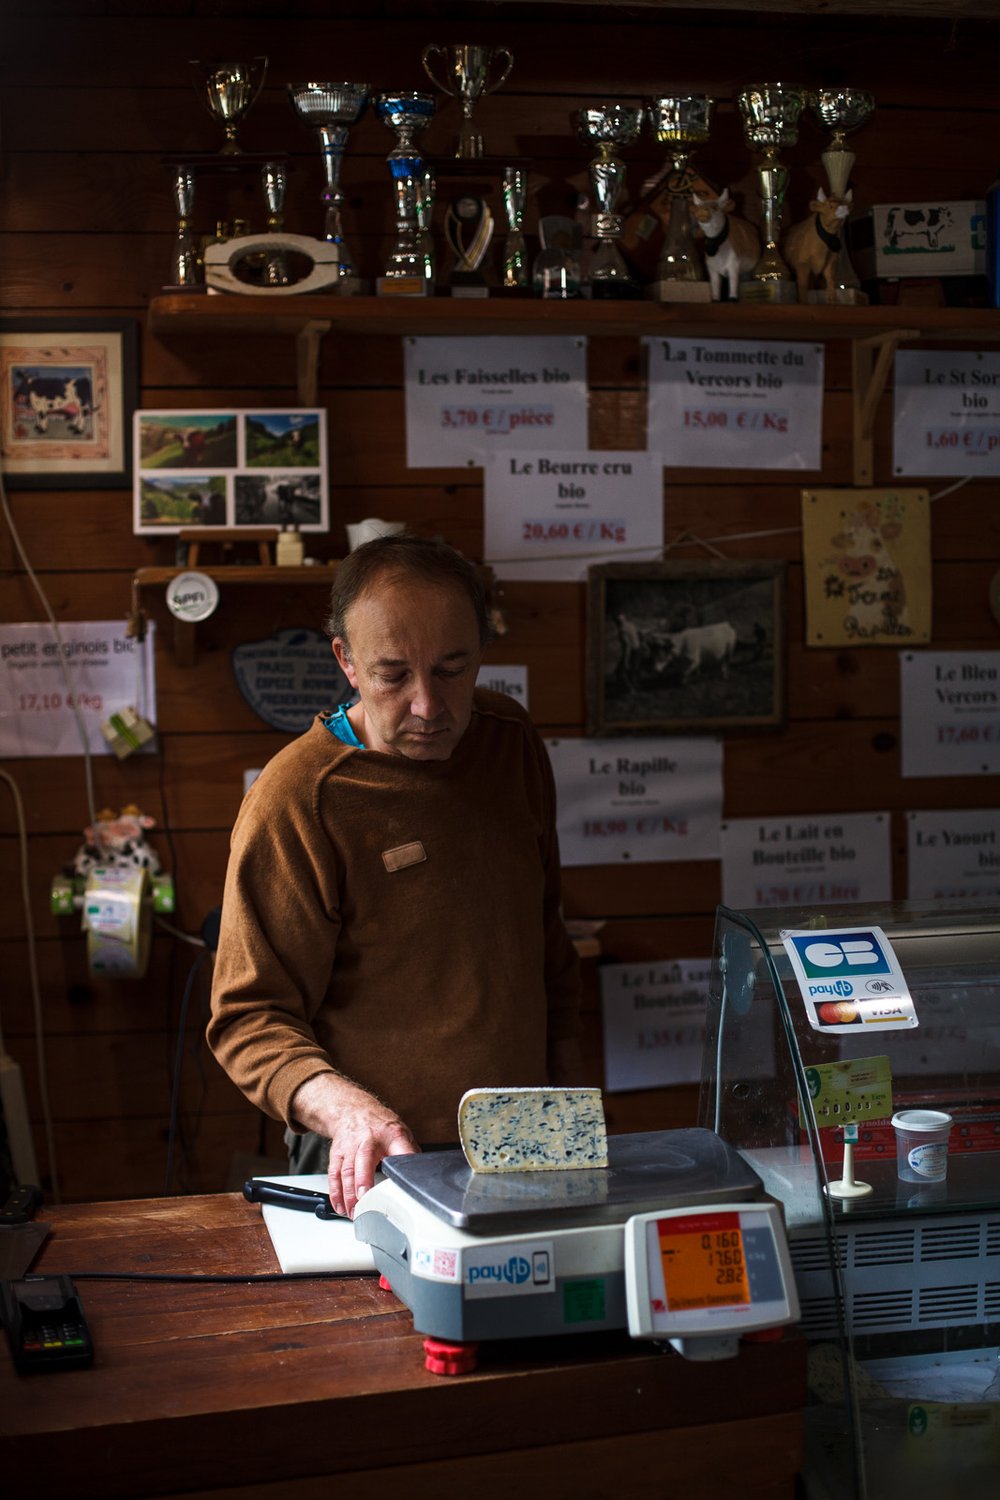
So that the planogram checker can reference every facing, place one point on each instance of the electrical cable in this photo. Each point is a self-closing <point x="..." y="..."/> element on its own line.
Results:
<point x="175" y="1086"/>
<point x="226" y="1280"/>
<point x="36" y="993"/>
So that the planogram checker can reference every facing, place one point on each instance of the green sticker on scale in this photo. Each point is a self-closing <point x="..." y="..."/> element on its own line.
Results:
<point x="583" y="1301"/>
<point x="850" y="1092"/>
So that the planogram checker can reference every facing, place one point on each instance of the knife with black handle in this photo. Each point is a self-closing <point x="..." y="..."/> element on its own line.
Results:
<point x="259" y="1190"/>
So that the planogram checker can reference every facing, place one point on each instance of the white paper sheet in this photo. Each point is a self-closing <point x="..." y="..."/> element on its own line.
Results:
<point x="108" y="671"/>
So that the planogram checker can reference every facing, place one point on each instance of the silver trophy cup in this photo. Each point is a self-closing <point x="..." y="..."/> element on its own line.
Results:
<point x="331" y="109"/>
<point x="608" y="127"/>
<point x="407" y="114"/>
<point x="228" y="90"/>
<point x="467" y="77"/>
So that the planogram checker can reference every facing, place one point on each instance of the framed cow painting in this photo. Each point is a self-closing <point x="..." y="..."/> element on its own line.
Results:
<point x="67" y="394"/>
<point x="685" y="647"/>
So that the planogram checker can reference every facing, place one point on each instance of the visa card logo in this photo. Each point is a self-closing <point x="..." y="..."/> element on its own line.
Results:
<point x="854" y="955"/>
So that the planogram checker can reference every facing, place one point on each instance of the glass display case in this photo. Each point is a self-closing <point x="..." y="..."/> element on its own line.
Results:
<point x="814" y="1042"/>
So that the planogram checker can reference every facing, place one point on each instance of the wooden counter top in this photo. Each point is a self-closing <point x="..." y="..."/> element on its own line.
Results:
<point x="270" y="1389"/>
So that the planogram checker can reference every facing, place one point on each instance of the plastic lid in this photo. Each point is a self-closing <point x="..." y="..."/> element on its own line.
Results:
<point x="921" y="1119"/>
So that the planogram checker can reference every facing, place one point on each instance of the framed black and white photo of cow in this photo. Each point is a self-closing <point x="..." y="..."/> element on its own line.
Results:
<point x="685" y="647"/>
<point x="68" y="389"/>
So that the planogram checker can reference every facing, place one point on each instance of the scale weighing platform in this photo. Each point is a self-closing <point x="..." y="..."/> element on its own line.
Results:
<point x="673" y="1240"/>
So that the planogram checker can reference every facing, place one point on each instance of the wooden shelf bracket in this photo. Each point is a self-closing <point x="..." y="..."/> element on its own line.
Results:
<point x="871" y="361"/>
<point x="307" y="346"/>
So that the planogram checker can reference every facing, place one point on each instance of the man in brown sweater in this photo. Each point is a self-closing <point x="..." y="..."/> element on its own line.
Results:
<point x="391" y="930"/>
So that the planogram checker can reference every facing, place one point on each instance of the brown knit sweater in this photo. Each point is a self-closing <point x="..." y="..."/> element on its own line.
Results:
<point x="417" y="982"/>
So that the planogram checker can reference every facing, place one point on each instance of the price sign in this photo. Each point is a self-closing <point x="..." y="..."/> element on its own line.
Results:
<point x="550" y="514"/>
<point x="41" y="714"/>
<point x="950" y="713"/>
<point x="811" y="861"/>
<point x="703" y="1261"/>
<point x="468" y="397"/>
<point x="946" y="412"/>
<point x="860" y="1088"/>
<point x="736" y="403"/>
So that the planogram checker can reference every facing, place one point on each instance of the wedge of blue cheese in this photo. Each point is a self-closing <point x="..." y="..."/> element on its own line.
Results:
<point x="532" y="1129"/>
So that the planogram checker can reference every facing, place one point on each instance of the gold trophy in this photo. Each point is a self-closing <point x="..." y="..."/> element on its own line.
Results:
<point x="770" y="114"/>
<point x="467" y="78"/>
<point x="680" y="122"/>
<point x="228" y="90"/>
<point x="842" y="110"/>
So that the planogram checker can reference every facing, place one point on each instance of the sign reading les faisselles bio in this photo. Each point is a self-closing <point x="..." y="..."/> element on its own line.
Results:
<point x="468" y="397"/>
<point x="849" y="979"/>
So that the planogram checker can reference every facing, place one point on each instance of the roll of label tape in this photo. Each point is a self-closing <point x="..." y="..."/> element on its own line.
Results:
<point x="117" y="921"/>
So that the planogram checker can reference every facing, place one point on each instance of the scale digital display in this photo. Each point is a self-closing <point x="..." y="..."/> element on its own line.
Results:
<point x="719" y="1270"/>
<point x="703" y="1262"/>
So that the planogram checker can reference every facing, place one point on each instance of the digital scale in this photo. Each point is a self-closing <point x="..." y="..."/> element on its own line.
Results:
<point x="673" y="1240"/>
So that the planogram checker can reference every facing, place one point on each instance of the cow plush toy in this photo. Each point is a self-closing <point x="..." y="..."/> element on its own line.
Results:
<point x="116" y="840"/>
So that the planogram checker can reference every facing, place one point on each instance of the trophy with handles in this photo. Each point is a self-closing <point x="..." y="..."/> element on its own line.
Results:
<point x="469" y="73"/>
<point x="228" y="90"/>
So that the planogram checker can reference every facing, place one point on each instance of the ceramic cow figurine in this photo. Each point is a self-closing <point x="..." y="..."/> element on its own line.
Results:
<point x="730" y="244"/>
<point x="812" y="246"/>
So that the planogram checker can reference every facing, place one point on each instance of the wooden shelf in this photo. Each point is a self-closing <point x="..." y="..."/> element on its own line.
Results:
<point x="195" y="313"/>
<point x="231" y="573"/>
<point x="261" y="575"/>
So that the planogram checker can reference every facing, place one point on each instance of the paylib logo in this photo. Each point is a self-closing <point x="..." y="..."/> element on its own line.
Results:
<point x="855" y="955"/>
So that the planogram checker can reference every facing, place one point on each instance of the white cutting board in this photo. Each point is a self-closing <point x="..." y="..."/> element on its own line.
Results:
<point x="304" y="1243"/>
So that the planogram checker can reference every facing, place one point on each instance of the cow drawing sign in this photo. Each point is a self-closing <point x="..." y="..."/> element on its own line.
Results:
<point x="67" y="390"/>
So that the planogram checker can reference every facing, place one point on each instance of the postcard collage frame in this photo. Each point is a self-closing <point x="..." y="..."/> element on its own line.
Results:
<point x="237" y="467"/>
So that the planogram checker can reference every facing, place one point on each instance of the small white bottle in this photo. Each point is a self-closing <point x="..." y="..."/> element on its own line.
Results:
<point x="289" y="552"/>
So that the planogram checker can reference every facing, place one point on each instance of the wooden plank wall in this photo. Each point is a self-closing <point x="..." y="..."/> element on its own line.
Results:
<point x="93" y="96"/>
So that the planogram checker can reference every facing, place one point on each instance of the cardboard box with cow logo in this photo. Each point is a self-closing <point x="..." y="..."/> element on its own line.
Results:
<point x="895" y="240"/>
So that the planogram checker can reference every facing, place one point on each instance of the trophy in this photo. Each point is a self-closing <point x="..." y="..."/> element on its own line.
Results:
<point x="227" y="91"/>
<point x="770" y="114"/>
<point x="467" y="78"/>
<point x="407" y="114"/>
<point x="608" y="126"/>
<point x="515" y="250"/>
<point x="468" y="229"/>
<point x="842" y="110"/>
<point x="274" y="180"/>
<point x="424" y="204"/>
<point x="184" y="261"/>
<point x="331" y="109"/>
<point x="680" y="121"/>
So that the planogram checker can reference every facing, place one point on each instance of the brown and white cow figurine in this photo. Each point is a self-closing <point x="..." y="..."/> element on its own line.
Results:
<point x="730" y="244"/>
<point x="813" y="245"/>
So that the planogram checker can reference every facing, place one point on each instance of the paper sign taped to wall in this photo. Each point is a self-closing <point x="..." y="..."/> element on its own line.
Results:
<point x="107" y="669"/>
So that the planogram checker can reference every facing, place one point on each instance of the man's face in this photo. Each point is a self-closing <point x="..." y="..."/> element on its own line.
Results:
<point x="414" y="656"/>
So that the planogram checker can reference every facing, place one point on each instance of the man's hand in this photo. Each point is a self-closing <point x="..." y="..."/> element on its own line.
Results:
<point x="360" y="1129"/>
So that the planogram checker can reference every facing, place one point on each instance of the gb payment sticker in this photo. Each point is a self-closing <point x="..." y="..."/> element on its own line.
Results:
<point x="850" y="979"/>
<point x="500" y="1269"/>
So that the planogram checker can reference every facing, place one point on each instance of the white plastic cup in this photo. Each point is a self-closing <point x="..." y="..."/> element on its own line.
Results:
<point x="922" y="1144"/>
<point x="366" y="531"/>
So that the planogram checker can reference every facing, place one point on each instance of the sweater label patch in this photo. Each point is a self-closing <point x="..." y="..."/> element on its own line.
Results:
<point x="403" y="856"/>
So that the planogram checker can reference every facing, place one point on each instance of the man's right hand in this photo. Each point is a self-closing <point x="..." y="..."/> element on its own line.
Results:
<point x="361" y="1132"/>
